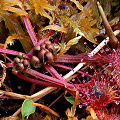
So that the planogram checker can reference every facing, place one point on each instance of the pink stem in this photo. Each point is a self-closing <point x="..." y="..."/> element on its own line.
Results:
<point x="49" y="79"/>
<point x="53" y="72"/>
<point x="34" y="81"/>
<point x="69" y="68"/>
<point x="12" y="52"/>
<point x="42" y="40"/>
<point x="30" y="30"/>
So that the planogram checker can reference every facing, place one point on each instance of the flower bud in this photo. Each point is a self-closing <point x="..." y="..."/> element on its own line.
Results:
<point x="35" y="62"/>
<point x="51" y="48"/>
<point x="20" y="55"/>
<point x="47" y="42"/>
<point x="16" y="60"/>
<point x="26" y="63"/>
<point x="49" y="57"/>
<point x="43" y="45"/>
<point x="36" y="50"/>
<point x="21" y="66"/>
<point x="42" y="53"/>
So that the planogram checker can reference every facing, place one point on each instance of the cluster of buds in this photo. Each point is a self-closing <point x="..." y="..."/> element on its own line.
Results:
<point x="42" y="54"/>
<point x="20" y="64"/>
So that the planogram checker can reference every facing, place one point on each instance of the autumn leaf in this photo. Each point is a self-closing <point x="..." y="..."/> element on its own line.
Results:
<point x="64" y="47"/>
<point x="40" y="5"/>
<point x="13" y="6"/>
<point x="53" y="27"/>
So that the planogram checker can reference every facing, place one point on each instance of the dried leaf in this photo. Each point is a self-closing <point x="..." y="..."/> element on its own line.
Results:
<point x="92" y="112"/>
<point x="77" y="4"/>
<point x="40" y="5"/>
<point x="66" y="47"/>
<point x="10" y="118"/>
<point x="53" y="27"/>
<point x="13" y="6"/>
<point x="4" y="72"/>
<point x="10" y="39"/>
<point x="14" y="27"/>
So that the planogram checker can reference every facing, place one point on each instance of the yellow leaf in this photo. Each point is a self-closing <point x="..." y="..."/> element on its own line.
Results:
<point x="16" y="10"/>
<point x="66" y="47"/>
<point x="10" y="39"/>
<point x="13" y="6"/>
<point x="77" y="4"/>
<point x="4" y="72"/>
<point x="53" y="27"/>
<point x="40" y="5"/>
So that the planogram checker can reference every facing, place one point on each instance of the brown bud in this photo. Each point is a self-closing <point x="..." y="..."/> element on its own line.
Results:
<point x="36" y="48"/>
<point x="47" y="42"/>
<point x="16" y="60"/>
<point x="35" y="62"/>
<point x="14" y="72"/>
<point x="51" y="48"/>
<point x="42" y="53"/>
<point x="20" y="55"/>
<point x="26" y="63"/>
<point x="49" y="57"/>
<point x="43" y="45"/>
<point x="21" y="66"/>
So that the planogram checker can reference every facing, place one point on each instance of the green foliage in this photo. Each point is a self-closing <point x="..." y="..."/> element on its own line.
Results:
<point x="27" y="108"/>
<point x="70" y="99"/>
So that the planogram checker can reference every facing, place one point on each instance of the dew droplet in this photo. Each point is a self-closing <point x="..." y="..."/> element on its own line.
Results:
<point x="89" y="55"/>
<point x="114" y="50"/>
<point x="117" y="102"/>
<point x="85" y="43"/>
<point x="65" y="86"/>
<point x="91" y="67"/>
<point x="6" y="111"/>
<point x="107" y="49"/>
<point x="80" y="95"/>
<point x="110" y="64"/>
<point x="94" y="74"/>
<point x="112" y="73"/>
<point x="61" y="75"/>
<point x="81" y="60"/>
<point x="111" y="80"/>
<point x="102" y="32"/>
<point x="83" y="75"/>
<point x="80" y="106"/>
<point x="94" y="45"/>
<point x="105" y="72"/>
<point x="96" y="39"/>
<point x="101" y="51"/>
<point x="83" y="81"/>
<point x="86" y="104"/>
<point x="73" y="80"/>
<point x="102" y="76"/>
<point x="87" y="72"/>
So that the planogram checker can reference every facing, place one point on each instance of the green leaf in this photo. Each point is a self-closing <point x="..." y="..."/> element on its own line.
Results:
<point x="70" y="99"/>
<point x="27" y="108"/>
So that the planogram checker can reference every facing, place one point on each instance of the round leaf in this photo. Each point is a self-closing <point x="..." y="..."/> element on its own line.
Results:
<point x="27" y="108"/>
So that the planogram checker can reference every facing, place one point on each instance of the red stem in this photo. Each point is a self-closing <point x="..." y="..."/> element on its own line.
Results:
<point x="30" y="30"/>
<point x="34" y="81"/>
<point x="69" y="68"/>
<point x="12" y="52"/>
<point x="49" y="79"/>
<point x="53" y="72"/>
<point x="50" y="105"/>
<point x="42" y="40"/>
